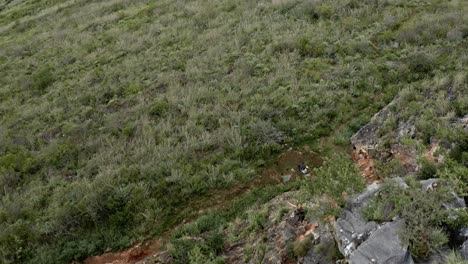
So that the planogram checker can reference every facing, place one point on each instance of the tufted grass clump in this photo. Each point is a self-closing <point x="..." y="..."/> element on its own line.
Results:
<point x="301" y="246"/>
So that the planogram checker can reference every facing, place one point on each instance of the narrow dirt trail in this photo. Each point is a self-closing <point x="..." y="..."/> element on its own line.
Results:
<point x="131" y="255"/>
<point x="285" y="164"/>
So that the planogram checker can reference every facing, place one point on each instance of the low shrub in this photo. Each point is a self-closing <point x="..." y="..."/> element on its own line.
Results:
<point x="455" y="258"/>
<point x="257" y="221"/>
<point x="310" y="47"/>
<point x="428" y="169"/>
<point x="41" y="79"/>
<point x="420" y="62"/>
<point x="132" y="89"/>
<point x="337" y="177"/>
<point x="301" y="246"/>
<point x="62" y="155"/>
<point x="159" y="109"/>
<point x="421" y="211"/>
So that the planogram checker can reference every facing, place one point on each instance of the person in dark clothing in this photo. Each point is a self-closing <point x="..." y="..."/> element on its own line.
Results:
<point x="303" y="168"/>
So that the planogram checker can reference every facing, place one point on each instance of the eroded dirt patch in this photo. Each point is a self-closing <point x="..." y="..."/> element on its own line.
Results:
<point x="365" y="163"/>
<point x="285" y="164"/>
<point x="129" y="256"/>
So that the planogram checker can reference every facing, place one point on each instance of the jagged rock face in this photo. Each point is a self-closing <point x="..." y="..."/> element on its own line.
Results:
<point x="462" y="236"/>
<point x="464" y="250"/>
<point x="362" y="241"/>
<point x="464" y="122"/>
<point x="351" y="230"/>
<point x="366" y="137"/>
<point x="383" y="246"/>
<point x="383" y="140"/>
<point x="319" y="252"/>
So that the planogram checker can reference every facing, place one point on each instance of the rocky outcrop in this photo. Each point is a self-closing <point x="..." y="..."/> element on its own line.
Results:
<point x="383" y="139"/>
<point x="362" y="241"/>
<point x="463" y="121"/>
<point x="462" y="236"/>
<point x="464" y="250"/>
<point x="280" y="235"/>
<point x="366" y="137"/>
<point x="322" y="249"/>
<point x="359" y="241"/>
<point x="351" y="231"/>
<point x="383" y="246"/>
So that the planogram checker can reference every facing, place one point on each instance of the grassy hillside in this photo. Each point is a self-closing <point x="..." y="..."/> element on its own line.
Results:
<point x="115" y="114"/>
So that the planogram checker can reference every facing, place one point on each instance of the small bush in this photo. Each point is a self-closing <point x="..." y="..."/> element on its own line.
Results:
<point x="336" y="177"/>
<point x="63" y="155"/>
<point x="459" y="153"/>
<point x="42" y="79"/>
<point x="196" y="256"/>
<point x="329" y="250"/>
<point x="455" y="258"/>
<point x="301" y="246"/>
<point x="457" y="174"/>
<point x="438" y="239"/>
<point x="420" y="210"/>
<point x="18" y="160"/>
<point x="132" y="89"/>
<point x="195" y="249"/>
<point x="420" y="62"/>
<point x="257" y="221"/>
<point x="428" y="169"/>
<point x="308" y="46"/>
<point x="326" y="10"/>
<point x="159" y="109"/>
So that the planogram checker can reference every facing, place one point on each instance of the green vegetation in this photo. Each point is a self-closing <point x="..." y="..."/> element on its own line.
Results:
<point x="455" y="258"/>
<point x="426" y="222"/>
<point x="116" y="116"/>
<point x="337" y="178"/>
<point x="428" y="169"/>
<point x="301" y="246"/>
<point x="205" y="235"/>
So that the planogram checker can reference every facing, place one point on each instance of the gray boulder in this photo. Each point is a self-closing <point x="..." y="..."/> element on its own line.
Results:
<point x="362" y="241"/>
<point x="455" y="203"/>
<point x="321" y="251"/>
<point x="351" y="230"/>
<point x="360" y="200"/>
<point x="438" y="257"/>
<point x="383" y="247"/>
<point x="428" y="184"/>
<point x="462" y="234"/>
<point x="464" y="250"/>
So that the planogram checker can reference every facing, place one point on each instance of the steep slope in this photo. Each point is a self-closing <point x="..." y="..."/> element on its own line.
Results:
<point x="115" y="115"/>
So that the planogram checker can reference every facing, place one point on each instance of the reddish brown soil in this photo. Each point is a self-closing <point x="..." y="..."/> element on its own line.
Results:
<point x="129" y="256"/>
<point x="271" y="175"/>
<point x="366" y="164"/>
<point x="407" y="158"/>
<point x="430" y="152"/>
<point x="288" y="161"/>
